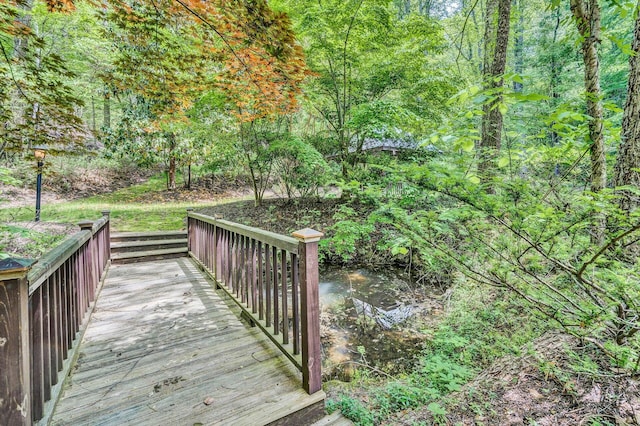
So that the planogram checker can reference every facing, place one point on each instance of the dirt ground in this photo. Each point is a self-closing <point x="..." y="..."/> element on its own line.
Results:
<point x="280" y="215"/>
<point x="548" y="386"/>
<point x="11" y="197"/>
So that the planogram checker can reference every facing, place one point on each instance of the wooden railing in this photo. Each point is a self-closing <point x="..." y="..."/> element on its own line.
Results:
<point x="273" y="278"/>
<point x="43" y="307"/>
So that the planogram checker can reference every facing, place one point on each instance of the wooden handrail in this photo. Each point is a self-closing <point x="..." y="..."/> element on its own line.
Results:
<point x="274" y="280"/>
<point x="44" y="307"/>
<point x="275" y="240"/>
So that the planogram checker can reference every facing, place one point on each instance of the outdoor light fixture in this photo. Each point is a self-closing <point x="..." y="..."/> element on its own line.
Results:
<point x="40" y="153"/>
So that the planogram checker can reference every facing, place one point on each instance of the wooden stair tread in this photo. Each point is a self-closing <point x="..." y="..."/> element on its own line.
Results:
<point x="150" y="235"/>
<point x="149" y="253"/>
<point x="144" y="243"/>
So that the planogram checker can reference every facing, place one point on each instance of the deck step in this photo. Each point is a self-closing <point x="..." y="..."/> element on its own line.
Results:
<point x="145" y="245"/>
<point x="145" y="236"/>
<point x="147" y="256"/>
<point x="132" y="247"/>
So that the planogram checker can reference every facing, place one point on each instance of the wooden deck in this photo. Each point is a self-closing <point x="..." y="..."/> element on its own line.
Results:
<point x="164" y="347"/>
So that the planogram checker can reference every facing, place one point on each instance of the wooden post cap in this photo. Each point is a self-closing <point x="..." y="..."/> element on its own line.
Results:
<point x="85" y="224"/>
<point x="12" y="267"/>
<point x="106" y="213"/>
<point x="189" y="209"/>
<point x="307" y="235"/>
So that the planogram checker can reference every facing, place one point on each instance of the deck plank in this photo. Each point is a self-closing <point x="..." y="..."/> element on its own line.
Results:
<point x="160" y="342"/>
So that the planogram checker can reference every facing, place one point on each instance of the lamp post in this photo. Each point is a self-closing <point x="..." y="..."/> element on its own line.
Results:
<point x="39" y="153"/>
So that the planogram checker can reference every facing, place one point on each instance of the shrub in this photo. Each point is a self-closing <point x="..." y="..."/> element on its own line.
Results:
<point x="301" y="169"/>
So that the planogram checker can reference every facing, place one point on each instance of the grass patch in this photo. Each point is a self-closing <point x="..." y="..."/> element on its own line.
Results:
<point x="136" y="208"/>
<point x="29" y="240"/>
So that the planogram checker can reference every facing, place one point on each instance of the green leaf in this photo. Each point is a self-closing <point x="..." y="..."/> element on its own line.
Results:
<point x="530" y="97"/>
<point x="399" y="250"/>
<point x="436" y="409"/>
<point x="467" y="145"/>
<point x="503" y="162"/>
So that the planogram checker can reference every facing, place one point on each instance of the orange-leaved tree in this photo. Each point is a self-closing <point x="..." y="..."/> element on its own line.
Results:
<point x="173" y="51"/>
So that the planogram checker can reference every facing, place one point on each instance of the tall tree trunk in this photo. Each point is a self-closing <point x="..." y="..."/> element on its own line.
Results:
<point x="106" y="110"/>
<point x="626" y="171"/>
<point x="554" y="80"/>
<point x="93" y="114"/>
<point x="496" y="43"/>
<point x="171" y="181"/>
<point x="587" y="17"/>
<point x="518" y="48"/>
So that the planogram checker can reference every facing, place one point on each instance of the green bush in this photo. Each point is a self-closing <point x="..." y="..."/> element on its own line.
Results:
<point x="301" y="169"/>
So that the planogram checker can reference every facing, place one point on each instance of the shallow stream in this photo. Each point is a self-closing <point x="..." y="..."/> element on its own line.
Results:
<point x="357" y="307"/>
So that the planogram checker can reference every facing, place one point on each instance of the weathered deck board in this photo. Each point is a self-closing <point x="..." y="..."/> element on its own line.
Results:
<point x="160" y="342"/>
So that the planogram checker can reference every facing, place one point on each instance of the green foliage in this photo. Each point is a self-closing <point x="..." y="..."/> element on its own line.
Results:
<point x="301" y="169"/>
<point x="7" y="178"/>
<point x="129" y="138"/>
<point x="539" y="250"/>
<point x="36" y="95"/>
<point x="374" y="73"/>
<point x="352" y="409"/>
<point x="347" y="236"/>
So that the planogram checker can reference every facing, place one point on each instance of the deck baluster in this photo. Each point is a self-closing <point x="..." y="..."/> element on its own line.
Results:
<point x="276" y="295"/>
<point x="285" y="304"/>
<point x="295" y="301"/>
<point x="260" y="289"/>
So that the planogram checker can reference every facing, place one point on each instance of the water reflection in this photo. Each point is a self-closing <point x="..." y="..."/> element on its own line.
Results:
<point x="350" y="339"/>
<point x="379" y="288"/>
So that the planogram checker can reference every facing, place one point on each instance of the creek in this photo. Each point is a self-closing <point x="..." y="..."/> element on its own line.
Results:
<point x="372" y="319"/>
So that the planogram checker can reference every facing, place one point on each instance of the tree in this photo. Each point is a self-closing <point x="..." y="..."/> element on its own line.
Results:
<point x="172" y="53"/>
<point x="627" y="168"/>
<point x="587" y="18"/>
<point x="38" y="106"/>
<point x="363" y="55"/>
<point x="301" y="169"/>
<point x="495" y="53"/>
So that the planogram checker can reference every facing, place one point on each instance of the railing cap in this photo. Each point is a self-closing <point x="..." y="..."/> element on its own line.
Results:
<point x="13" y="267"/>
<point x="85" y="224"/>
<point x="307" y="235"/>
<point x="106" y="213"/>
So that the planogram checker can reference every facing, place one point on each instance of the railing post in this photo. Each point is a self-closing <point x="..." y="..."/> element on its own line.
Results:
<point x="310" y="307"/>
<point x="190" y="231"/>
<point x="15" y="362"/>
<point x="87" y="225"/>
<point x="107" y="214"/>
